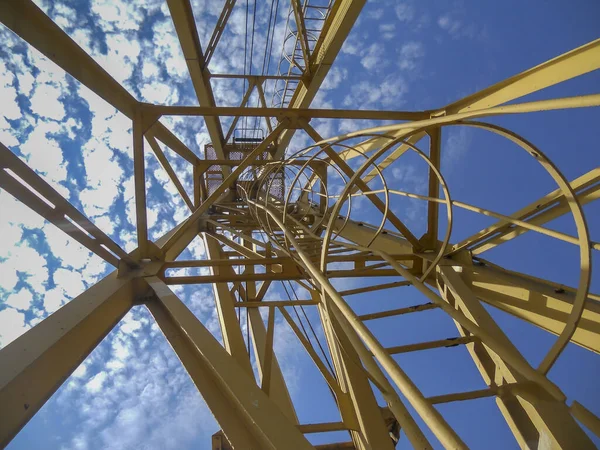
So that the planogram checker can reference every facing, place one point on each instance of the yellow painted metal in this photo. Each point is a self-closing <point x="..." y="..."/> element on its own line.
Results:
<point x="220" y="190"/>
<point x="564" y="67"/>
<point x="218" y="31"/>
<point x="280" y="113"/>
<point x="438" y="425"/>
<point x="586" y="417"/>
<point x="362" y="414"/>
<point x="544" y="304"/>
<point x="341" y="18"/>
<point x="248" y="417"/>
<point x="139" y="178"/>
<point x="233" y="338"/>
<point x="431" y="236"/>
<point x="36" y="364"/>
<point x="524" y="408"/>
<point x="185" y="26"/>
<point x="543" y="210"/>
<point x="24" y="184"/>
<point x="533" y="407"/>
<point x="268" y="365"/>
<point x="170" y="172"/>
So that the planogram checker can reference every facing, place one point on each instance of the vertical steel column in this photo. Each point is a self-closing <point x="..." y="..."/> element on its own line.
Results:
<point x="233" y="338"/>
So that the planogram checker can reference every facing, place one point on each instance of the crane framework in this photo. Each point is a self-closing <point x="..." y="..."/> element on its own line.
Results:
<point x="266" y="217"/>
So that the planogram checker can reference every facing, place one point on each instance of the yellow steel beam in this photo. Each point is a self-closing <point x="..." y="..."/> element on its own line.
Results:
<point x="543" y="210"/>
<point x="36" y="364"/>
<point x="586" y="417"/>
<point x="441" y="343"/>
<point x="251" y="85"/>
<point x="378" y="378"/>
<point x="28" y="187"/>
<point x="569" y="65"/>
<point x="185" y="26"/>
<point x="232" y="278"/>
<point x="246" y="414"/>
<point x="371" y="432"/>
<point x="218" y="31"/>
<point x="163" y="134"/>
<point x="233" y="338"/>
<point x="263" y="103"/>
<point x="398" y="312"/>
<point x="31" y="24"/>
<point x="562" y="68"/>
<point x="360" y="184"/>
<point x="524" y="408"/>
<point x="301" y="35"/>
<point x="544" y="304"/>
<point x="462" y="396"/>
<point x="537" y="301"/>
<point x="164" y="162"/>
<point x="268" y="365"/>
<point x="322" y="427"/>
<point x="275" y="303"/>
<point x="220" y="190"/>
<point x="376" y="287"/>
<point x="139" y="177"/>
<point x="280" y="113"/>
<point x="436" y="422"/>
<point x="327" y="375"/>
<point x="341" y="19"/>
<point x="433" y="208"/>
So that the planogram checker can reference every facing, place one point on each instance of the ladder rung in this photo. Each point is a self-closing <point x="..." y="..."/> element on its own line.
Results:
<point x="461" y="396"/>
<point x="450" y="342"/>
<point x="399" y="311"/>
<point x="322" y="427"/>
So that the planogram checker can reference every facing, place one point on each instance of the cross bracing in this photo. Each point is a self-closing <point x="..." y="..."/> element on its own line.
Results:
<point x="267" y="215"/>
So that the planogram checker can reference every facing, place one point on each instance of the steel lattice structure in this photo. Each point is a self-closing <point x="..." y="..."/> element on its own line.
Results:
<point x="266" y="217"/>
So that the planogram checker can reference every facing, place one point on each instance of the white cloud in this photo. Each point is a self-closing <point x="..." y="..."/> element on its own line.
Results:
<point x="368" y="94"/>
<point x="69" y="281"/>
<point x="405" y="12"/>
<point x="70" y="252"/>
<point x="456" y="146"/>
<point x="373" y="57"/>
<point x="458" y="29"/>
<point x="45" y="102"/>
<point x="334" y="78"/>
<point x="387" y="30"/>
<point x="21" y="300"/>
<point x="26" y="260"/>
<point x="8" y="94"/>
<point x="96" y="383"/>
<point x="44" y="155"/>
<point x="12" y="325"/>
<point x="105" y="223"/>
<point x="53" y="299"/>
<point x="410" y="55"/>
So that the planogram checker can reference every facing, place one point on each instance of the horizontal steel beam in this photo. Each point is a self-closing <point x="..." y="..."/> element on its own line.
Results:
<point x="398" y="312"/>
<point x="234" y="111"/>
<point x="200" y="279"/>
<point x="276" y="303"/>
<point x="442" y="343"/>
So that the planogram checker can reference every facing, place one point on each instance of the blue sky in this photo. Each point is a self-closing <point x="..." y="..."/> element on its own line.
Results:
<point x="132" y="392"/>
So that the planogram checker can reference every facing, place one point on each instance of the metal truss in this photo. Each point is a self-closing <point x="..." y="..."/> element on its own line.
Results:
<point x="271" y="219"/>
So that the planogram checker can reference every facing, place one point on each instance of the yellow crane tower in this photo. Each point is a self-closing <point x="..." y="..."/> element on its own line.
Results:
<point x="268" y="215"/>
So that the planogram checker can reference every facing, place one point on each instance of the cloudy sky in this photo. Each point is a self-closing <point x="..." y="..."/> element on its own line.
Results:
<point x="132" y="391"/>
